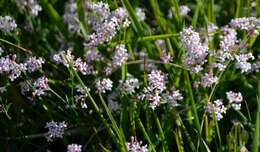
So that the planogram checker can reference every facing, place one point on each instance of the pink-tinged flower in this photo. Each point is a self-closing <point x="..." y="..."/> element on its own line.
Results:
<point x="235" y="99"/>
<point x="9" y="67"/>
<point x="135" y="146"/>
<point x="104" y="85"/>
<point x="196" y="52"/>
<point x="74" y="148"/>
<point x="216" y="109"/>
<point x="156" y="80"/>
<point x="83" y="67"/>
<point x="40" y="86"/>
<point x="207" y="80"/>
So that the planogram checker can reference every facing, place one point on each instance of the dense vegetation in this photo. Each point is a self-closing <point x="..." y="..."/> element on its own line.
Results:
<point x="129" y="76"/>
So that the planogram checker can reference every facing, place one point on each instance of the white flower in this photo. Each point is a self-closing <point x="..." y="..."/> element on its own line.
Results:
<point x="7" y="24"/>
<point x="235" y="99"/>
<point x="135" y="146"/>
<point x="140" y="13"/>
<point x="246" y="23"/>
<point x="74" y="148"/>
<point x="70" y="16"/>
<point x="241" y="62"/>
<point x="55" y="130"/>
<point x="120" y="56"/>
<point x="129" y="85"/>
<point x="207" y="80"/>
<point x="64" y="57"/>
<point x="196" y="53"/>
<point x="184" y="10"/>
<point x="32" y="64"/>
<point x="40" y="86"/>
<point x="104" y="85"/>
<point x="156" y="80"/>
<point x="172" y="97"/>
<point x="216" y="109"/>
<point x="9" y="67"/>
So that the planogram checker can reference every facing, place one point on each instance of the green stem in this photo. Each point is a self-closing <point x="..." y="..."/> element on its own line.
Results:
<point x="82" y="17"/>
<point x="238" y="8"/>
<point x="257" y="123"/>
<point x="151" y="145"/>
<point x="17" y="46"/>
<point x="156" y="37"/>
<point x="194" y="109"/>
<point x="161" y="133"/>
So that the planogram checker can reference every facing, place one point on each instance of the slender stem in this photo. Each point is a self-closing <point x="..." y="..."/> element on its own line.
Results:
<point x="161" y="133"/>
<point x="257" y="123"/>
<point x="57" y="95"/>
<point x="155" y="37"/>
<point x="17" y="46"/>
<point x="151" y="145"/>
<point x="238" y="8"/>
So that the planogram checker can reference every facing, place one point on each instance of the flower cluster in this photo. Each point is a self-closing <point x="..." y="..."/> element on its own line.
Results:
<point x="250" y="24"/>
<point x="235" y="99"/>
<point x="242" y="62"/>
<point x="55" y="130"/>
<point x="172" y="97"/>
<point x="98" y="13"/>
<point x="135" y="146"/>
<point x="184" y="10"/>
<point x="93" y="55"/>
<point x="120" y="55"/>
<point x="32" y="5"/>
<point x="196" y="52"/>
<point x="67" y="58"/>
<point x="216" y="109"/>
<point x="113" y="104"/>
<point x="129" y="85"/>
<point x="104" y="85"/>
<point x="7" y="24"/>
<point x="83" y="67"/>
<point x="81" y="96"/>
<point x="228" y="44"/>
<point x="140" y="13"/>
<point x="64" y="57"/>
<point x="156" y="85"/>
<point x="33" y="64"/>
<point x="207" y="80"/>
<point x="70" y="16"/>
<point x="40" y="86"/>
<point x="9" y="66"/>
<point x="107" y="29"/>
<point x="37" y="87"/>
<point x="74" y="148"/>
